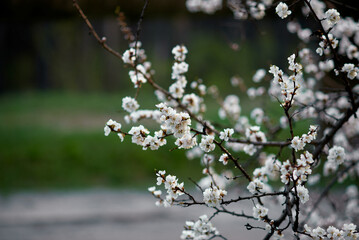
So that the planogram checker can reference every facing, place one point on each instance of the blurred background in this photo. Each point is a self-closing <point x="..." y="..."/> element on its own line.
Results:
<point x="58" y="88"/>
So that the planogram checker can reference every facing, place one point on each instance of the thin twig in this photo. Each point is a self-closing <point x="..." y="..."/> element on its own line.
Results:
<point x="233" y="160"/>
<point x="101" y="41"/>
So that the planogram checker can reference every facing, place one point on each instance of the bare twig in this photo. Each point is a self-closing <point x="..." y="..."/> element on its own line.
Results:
<point x="101" y="41"/>
<point x="233" y="160"/>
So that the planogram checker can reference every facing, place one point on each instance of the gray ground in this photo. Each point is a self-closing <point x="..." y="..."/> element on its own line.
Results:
<point x="104" y="215"/>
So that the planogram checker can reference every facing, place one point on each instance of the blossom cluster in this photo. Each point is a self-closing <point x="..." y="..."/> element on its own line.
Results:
<point x="298" y="172"/>
<point x="348" y="231"/>
<point x="226" y="134"/>
<point x="260" y="212"/>
<point x="269" y="171"/>
<point x="212" y="196"/>
<point x="298" y="143"/>
<point x="130" y="104"/>
<point x="256" y="186"/>
<point x="351" y="71"/>
<point x="177" y="124"/>
<point x="140" y="136"/>
<point x="249" y="9"/>
<point x="174" y="189"/>
<point x="288" y="84"/>
<point x="112" y="125"/>
<point x="206" y="6"/>
<point x="179" y="68"/>
<point x="254" y="134"/>
<point x="136" y="57"/>
<point x="230" y="108"/>
<point x="199" y="230"/>
<point x="336" y="157"/>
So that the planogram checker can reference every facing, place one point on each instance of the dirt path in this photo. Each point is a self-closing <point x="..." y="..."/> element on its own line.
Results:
<point x="103" y="215"/>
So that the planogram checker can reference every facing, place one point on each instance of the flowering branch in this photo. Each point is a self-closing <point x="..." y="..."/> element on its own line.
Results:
<point x="282" y="178"/>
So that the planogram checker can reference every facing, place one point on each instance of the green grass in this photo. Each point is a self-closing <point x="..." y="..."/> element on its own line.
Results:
<point x="55" y="140"/>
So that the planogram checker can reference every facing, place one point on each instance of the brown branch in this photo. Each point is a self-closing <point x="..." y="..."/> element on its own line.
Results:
<point x="343" y="5"/>
<point x="235" y="214"/>
<point x="276" y="224"/>
<point x="254" y="196"/>
<point x="101" y="41"/>
<point x="296" y="202"/>
<point x="235" y="161"/>
<point x="268" y="144"/>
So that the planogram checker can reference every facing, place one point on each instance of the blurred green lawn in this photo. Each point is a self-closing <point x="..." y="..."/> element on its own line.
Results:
<point x="56" y="140"/>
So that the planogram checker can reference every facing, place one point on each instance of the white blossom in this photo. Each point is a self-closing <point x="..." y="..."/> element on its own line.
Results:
<point x="107" y="130"/>
<point x="121" y="136"/>
<point x="202" y="229"/>
<point x="129" y="56"/>
<point x="297" y="143"/>
<point x="258" y="115"/>
<point x="329" y="167"/>
<point x="207" y="160"/>
<point x="254" y="134"/>
<point x="112" y="125"/>
<point x="352" y="52"/>
<point x="176" y="89"/>
<point x="138" y="76"/>
<point x="327" y="65"/>
<point x="173" y="189"/>
<point x="230" y="108"/>
<point x="202" y="89"/>
<point x="318" y="233"/>
<point x="337" y="155"/>
<point x="192" y="102"/>
<point x="259" y="212"/>
<point x="187" y="141"/>
<point x="179" y="52"/>
<point x="226" y="134"/>
<point x="139" y="134"/>
<point x="351" y="70"/>
<point x="178" y="69"/>
<point x="213" y="196"/>
<point x="255" y="186"/>
<point x="207" y="144"/>
<point x="130" y="104"/>
<point x="235" y="81"/>
<point x="224" y="158"/>
<point x="206" y="6"/>
<point x="282" y="10"/>
<point x="302" y="193"/>
<point x="332" y="16"/>
<point x="259" y="75"/>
